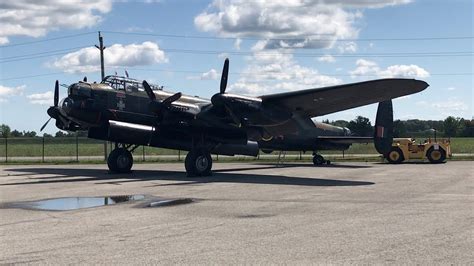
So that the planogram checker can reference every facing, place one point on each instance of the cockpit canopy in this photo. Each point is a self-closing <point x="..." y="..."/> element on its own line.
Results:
<point x="126" y="84"/>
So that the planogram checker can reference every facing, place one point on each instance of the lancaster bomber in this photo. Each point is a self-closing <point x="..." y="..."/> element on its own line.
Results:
<point x="131" y="113"/>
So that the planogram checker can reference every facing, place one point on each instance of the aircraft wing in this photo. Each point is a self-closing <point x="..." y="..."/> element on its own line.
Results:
<point x="322" y="101"/>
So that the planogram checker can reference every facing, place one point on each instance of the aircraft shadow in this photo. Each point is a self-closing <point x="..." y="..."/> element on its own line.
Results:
<point x="101" y="176"/>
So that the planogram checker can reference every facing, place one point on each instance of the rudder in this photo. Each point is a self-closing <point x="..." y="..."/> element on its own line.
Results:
<point x="383" y="135"/>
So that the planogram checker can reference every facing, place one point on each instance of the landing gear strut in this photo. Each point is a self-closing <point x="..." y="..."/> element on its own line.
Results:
<point x="319" y="160"/>
<point x="120" y="159"/>
<point x="198" y="162"/>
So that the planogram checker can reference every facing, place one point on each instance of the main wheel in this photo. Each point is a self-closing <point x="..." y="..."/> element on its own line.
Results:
<point x="318" y="159"/>
<point x="198" y="163"/>
<point x="120" y="161"/>
<point x="436" y="156"/>
<point x="395" y="155"/>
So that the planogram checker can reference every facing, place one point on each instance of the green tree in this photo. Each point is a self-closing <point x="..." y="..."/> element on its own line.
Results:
<point x="60" y="134"/>
<point x="399" y="129"/>
<point x="451" y="126"/>
<point x="29" y="134"/>
<point x="5" y="131"/>
<point x="361" y="126"/>
<point x="340" y="123"/>
<point x="16" y="134"/>
<point x="468" y="128"/>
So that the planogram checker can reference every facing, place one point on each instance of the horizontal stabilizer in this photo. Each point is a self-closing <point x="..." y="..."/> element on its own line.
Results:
<point x="346" y="139"/>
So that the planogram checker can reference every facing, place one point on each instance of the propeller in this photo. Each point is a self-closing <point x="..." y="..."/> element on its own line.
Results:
<point x="218" y="98"/>
<point x="45" y="124"/>
<point x="159" y="107"/>
<point x="149" y="91"/>
<point x="55" y="104"/>
<point x="56" y="93"/>
<point x="225" y="74"/>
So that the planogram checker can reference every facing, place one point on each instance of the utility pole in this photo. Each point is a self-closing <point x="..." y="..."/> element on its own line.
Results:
<point x="101" y="47"/>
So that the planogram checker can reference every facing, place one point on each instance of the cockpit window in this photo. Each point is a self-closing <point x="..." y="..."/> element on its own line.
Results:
<point x="126" y="84"/>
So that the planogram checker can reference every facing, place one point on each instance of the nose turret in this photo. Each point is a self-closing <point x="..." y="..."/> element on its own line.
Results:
<point x="80" y="89"/>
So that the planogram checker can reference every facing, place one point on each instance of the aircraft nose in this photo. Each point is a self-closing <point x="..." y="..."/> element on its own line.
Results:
<point x="67" y="104"/>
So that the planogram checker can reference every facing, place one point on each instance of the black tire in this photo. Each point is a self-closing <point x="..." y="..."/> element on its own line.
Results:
<point x="395" y="155"/>
<point x="318" y="159"/>
<point x="436" y="156"/>
<point x="120" y="161"/>
<point x="198" y="163"/>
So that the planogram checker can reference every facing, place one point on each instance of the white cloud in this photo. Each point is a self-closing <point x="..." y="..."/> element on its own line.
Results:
<point x="347" y="47"/>
<point x="118" y="55"/>
<point x="451" y="106"/>
<point x="36" y="18"/>
<point x="209" y="75"/>
<point x="290" y="24"/>
<point x="278" y="72"/>
<point x="237" y="43"/>
<point x="451" y="88"/>
<point x="370" y="68"/>
<point x="41" y="98"/>
<point x="222" y="55"/>
<point x="7" y="92"/>
<point x="327" y="59"/>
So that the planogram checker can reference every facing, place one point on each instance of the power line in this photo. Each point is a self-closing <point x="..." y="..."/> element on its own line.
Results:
<point x="405" y="54"/>
<point x="231" y="73"/>
<point x="242" y="38"/>
<point x="32" y="76"/>
<point x="41" y="53"/>
<point x="290" y="38"/>
<point x="241" y="53"/>
<point x="47" y="40"/>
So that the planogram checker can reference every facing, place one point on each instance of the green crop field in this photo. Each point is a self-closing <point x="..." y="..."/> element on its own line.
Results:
<point x="67" y="147"/>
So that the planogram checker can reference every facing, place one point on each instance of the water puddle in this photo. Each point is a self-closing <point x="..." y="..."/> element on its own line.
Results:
<point x="169" y="202"/>
<point x="74" y="203"/>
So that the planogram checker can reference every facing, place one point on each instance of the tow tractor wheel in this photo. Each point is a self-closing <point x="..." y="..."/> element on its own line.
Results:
<point x="120" y="161"/>
<point x="198" y="163"/>
<point x="318" y="159"/>
<point x="395" y="155"/>
<point x="436" y="156"/>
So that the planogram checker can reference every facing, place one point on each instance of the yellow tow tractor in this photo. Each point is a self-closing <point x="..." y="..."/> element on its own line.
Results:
<point x="436" y="150"/>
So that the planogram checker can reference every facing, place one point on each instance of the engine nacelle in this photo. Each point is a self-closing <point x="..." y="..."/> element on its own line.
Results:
<point x="123" y="132"/>
<point x="250" y="149"/>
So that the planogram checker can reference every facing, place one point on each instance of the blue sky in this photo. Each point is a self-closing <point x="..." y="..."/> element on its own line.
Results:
<point x="273" y="46"/>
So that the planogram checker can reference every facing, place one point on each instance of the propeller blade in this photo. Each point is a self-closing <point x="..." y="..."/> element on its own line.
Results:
<point x="225" y="73"/>
<point x="168" y="101"/>
<point x="56" y="93"/>
<point x="149" y="91"/>
<point x="45" y="124"/>
<point x="84" y="79"/>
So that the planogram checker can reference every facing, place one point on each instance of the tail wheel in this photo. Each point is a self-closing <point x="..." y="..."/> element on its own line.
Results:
<point x="120" y="161"/>
<point x="436" y="156"/>
<point x="318" y="160"/>
<point x="198" y="163"/>
<point x="395" y="155"/>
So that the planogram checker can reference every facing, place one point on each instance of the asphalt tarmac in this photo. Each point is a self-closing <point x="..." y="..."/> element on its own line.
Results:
<point x="244" y="213"/>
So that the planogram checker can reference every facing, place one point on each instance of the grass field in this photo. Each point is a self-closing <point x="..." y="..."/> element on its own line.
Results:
<point x="35" y="147"/>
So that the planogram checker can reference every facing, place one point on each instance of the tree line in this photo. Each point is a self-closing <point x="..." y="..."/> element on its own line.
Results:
<point x="449" y="127"/>
<point x="360" y="126"/>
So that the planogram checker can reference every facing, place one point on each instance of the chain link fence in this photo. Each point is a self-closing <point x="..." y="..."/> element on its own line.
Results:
<point x="82" y="149"/>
